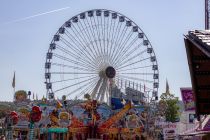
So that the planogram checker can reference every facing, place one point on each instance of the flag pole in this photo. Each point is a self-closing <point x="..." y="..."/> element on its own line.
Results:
<point x="14" y="92"/>
<point x="13" y="85"/>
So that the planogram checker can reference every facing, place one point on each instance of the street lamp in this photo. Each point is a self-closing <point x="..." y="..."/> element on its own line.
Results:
<point x="29" y="94"/>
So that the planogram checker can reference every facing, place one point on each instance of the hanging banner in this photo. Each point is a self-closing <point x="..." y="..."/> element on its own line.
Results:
<point x="188" y="99"/>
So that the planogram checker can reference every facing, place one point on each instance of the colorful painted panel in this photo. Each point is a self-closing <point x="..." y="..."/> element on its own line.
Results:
<point x="188" y="99"/>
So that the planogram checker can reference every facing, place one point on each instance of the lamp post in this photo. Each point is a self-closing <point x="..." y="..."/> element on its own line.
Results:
<point x="29" y="94"/>
<point x="9" y="129"/>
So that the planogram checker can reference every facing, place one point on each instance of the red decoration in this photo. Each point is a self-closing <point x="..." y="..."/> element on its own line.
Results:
<point x="35" y="114"/>
<point x="14" y="117"/>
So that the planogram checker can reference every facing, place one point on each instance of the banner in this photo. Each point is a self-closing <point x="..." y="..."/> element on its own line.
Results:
<point x="169" y="130"/>
<point x="188" y="99"/>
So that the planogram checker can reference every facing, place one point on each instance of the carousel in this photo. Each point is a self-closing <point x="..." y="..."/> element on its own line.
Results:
<point x="102" y="82"/>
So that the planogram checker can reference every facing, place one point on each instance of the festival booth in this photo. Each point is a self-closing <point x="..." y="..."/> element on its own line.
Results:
<point x="38" y="119"/>
<point x="79" y="120"/>
<point x="93" y="120"/>
<point x="198" y="55"/>
<point x="55" y="121"/>
<point x="201" y="131"/>
<point x="23" y="109"/>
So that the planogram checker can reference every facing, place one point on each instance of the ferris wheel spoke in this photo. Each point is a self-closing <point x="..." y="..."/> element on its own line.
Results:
<point x="72" y="49"/>
<point x="103" y="39"/>
<point x="122" y="45"/>
<point x="101" y="65"/>
<point x="110" y="41"/>
<point x="88" y="39"/>
<point x="129" y="50"/>
<point x="83" y="45"/>
<point x="106" y="36"/>
<point x="76" y="33"/>
<point x="113" y="34"/>
<point x="72" y="73"/>
<point x="109" y="24"/>
<point x="98" y="35"/>
<point x="94" y="35"/>
<point x="77" y="42"/>
<point x="71" y="67"/>
<point x="124" y="61"/>
<point x="89" y="84"/>
<point x="123" y="66"/>
<point x="81" y="30"/>
<point x="73" y="61"/>
<point x="70" y="46"/>
<point x="116" y="47"/>
<point x="102" y="36"/>
<point x="119" y="37"/>
<point x="91" y="39"/>
<point x="70" y="79"/>
<point x="136" y="73"/>
<point x="136" y="68"/>
<point x="120" y="54"/>
<point x="130" y="53"/>
<point x="79" y="52"/>
<point x="87" y="90"/>
<point x="92" y="55"/>
<point x="84" y="81"/>
<point x="136" y="78"/>
<point x="98" y="64"/>
<point x="77" y="58"/>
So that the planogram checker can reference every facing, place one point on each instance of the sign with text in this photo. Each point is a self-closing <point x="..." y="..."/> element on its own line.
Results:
<point x="169" y="130"/>
<point x="188" y="99"/>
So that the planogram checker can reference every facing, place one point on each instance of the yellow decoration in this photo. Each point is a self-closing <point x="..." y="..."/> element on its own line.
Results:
<point x="23" y="110"/>
<point x="64" y="116"/>
<point x="20" y="95"/>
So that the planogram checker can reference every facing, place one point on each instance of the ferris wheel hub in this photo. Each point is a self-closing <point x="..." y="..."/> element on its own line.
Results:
<point x="110" y="72"/>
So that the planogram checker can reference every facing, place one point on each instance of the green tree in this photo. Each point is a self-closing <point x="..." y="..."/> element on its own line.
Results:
<point x="169" y="105"/>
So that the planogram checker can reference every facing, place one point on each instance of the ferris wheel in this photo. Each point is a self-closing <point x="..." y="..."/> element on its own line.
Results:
<point x="96" y="51"/>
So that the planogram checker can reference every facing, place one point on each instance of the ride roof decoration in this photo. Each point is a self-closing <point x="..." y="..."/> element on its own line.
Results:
<point x="197" y="45"/>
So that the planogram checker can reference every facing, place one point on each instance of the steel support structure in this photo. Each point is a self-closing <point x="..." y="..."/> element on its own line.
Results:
<point x="207" y="10"/>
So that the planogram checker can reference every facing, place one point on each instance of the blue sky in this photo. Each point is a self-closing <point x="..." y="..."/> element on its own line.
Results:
<point x="24" y="43"/>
